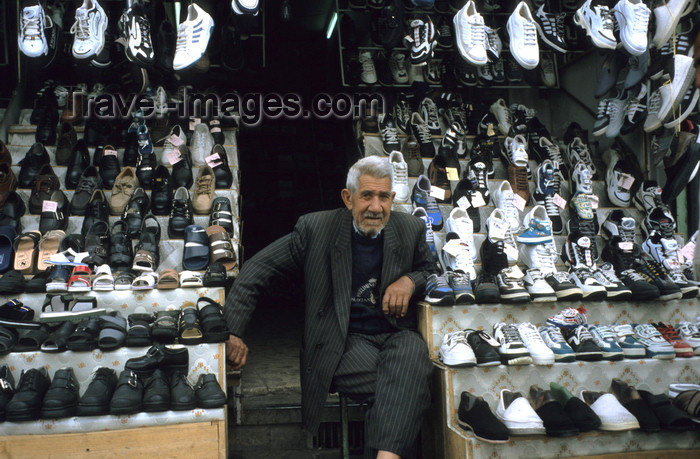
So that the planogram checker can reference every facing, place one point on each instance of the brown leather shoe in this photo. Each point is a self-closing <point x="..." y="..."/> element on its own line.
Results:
<point x="45" y="184"/>
<point x="8" y="181"/>
<point x="124" y="186"/>
<point x="73" y="113"/>
<point x="5" y="155"/>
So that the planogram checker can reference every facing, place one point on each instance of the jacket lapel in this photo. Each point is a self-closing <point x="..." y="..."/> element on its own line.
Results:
<point x="390" y="260"/>
<point x="341" y="269"/>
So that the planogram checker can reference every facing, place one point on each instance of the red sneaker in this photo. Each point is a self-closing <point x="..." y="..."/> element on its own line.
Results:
<point x="682" y="348"/>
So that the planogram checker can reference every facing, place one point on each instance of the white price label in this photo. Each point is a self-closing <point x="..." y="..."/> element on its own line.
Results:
<point x="478" y="199"/>
<point x="688" y="251"/>
<point x="594" y="201"/>
<point x="49" y="206"/>
<point x="463" y="202"/>
<point x="174" y="157"/>
<point x="559" y="201"/>
<point x="453" y="247"/>
<point x="498" y="231"/>
<point x="626" y="246"/>
<point x="452" y="173"/>
<point x="519" y="202"/>
<point x="213" y="160"/>
<point x="437" y="193"/>
<point x="175" y="140"/>
<point x="625" y="181"/>
<point x="109" y="152"/>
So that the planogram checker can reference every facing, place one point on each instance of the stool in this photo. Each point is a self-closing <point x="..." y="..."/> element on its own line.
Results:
<point x="344" y="440"/>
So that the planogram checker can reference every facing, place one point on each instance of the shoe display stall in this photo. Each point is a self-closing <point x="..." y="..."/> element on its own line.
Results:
<point x="558" y="219"/>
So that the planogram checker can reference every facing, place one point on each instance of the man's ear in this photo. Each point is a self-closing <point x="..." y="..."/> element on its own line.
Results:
<point x="346" y="194"/>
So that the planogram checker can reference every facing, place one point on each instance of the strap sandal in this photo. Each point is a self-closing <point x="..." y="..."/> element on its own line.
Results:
<point x="37" y="284"/>
<point x="221" y="214"/>
<point x="165" y="327"/>
<point x="103" y="280"/>
<point x="139" y="333"/>
<point x="49" y="245"/>
<point x="7" y="237"/>
<point x="168" y="280"/>
<point x="80" y="279"/>
<point x="25" y="246"/>
<point x="215" y="276"/>
<point x="196" y="253"/>
<point x="31" y="340"/>
<point x="145" y="281"/>
<point x="84" y="338"/>
<point x="16" y="314"/>
<point x="97" y="243"/>
<point x="59" y="308"/>
<point x="221" y="247"/>
<point x="73" y="242"/>
<point x="689" y="402"/>
<point x="147" y="255"/>
<point x="56" y="342"/>
<point x="57" y="280"/>
<point x="12" y="282"/>
<point x="211" y="317"/>
<point x="190" y="327"/>
<point x="113" y="333"/>
<point x="123" y="280"/>
<point x="8" y="339"/>
<point x="122" y="252"/>
<point x="670" y="417"/>
<point x="191" y="279"/>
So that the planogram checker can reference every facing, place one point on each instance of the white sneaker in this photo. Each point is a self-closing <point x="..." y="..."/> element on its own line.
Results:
<point x="459" y="222"/>
<point x="518" y="415"/>
<point x="633" y="18"/>
<point x="618" y="195"/>
<point x="659" y="107"/>
<point x="523" y="37"/>
<point x="540" y="353"/>
<point x="89" y="29"/>
<point x="429" y="112"/>
<point x="540" y="291"/>
<point x="455" y="351"/>
<point x="577" y="151"/>
<point x="516" y="149"/>
<point x="471" y="34"/>
<point x="201" y="145"/>
<point x="397" y="63"/>
<point x="493" y="43"/>
<point x="502" y="113"/>
<point x="173" y="142"/>
<point x="606" y="340"/>
<point x="690" y="334"/>
<point x="598" y="23"/>
<point x="462" y="259"/>
<point x="511" y="348"/>
<point x="369" y="73"/>
<point x="503" y="198"/>
<point x="616" y="115"/>
<point x="399" y="181"/>
<point x="552" y="337"/>
<point x="31" y="38"/>
<point x="656" y="346"/>
<point x="667" y="16"/>
<point x="613" y="416"/>
<point x="192" y="37"/>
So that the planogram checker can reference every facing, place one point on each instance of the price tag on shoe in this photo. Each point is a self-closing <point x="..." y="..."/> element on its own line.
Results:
<point x="626" y="246"/>
<point x="437" y="193"/>
<point x="519" y="202"/>
<point x="175" y="140"/>
<point x="213" y="160"/>
<point x="559" y="201"/>
<point x="489" y="130"/>
<point x="594" y="201"/>
<point x="452" y="173"/>
<point x="174" y="157"/>
<point x="478" y="199"/>
<point x="497" y="230"/>
<point x="49" y="206"/>
<point x="463" y="202"/>
<point x="453" y="247"/>
<point x="109" y="152"/>
<point x="688" y="251"/>
<point x="625" y="181"/>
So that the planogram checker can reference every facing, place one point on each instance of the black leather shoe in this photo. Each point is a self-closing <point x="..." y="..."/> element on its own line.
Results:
<point x="36" y="157"/>
<point x="46" y="100"/>
<point x="7" y="388"/>
<point x="159" y="356"/>
<point x="182" y="170"/>
<point x="89" y="182"/>
<point x="221" y="214"/>
<point x="78" y="161"/>
<point x="181" y="214"/>
<point x="46" y="183"/>
<point x="128" y="395"/>
<point x="208" y="392"/>
<point x="64" y="146"/>
<point x="47" y="122"/>
<point x="97" y="209"/>
<point x="61" y="400"/>
<point x="97" y="243"/>
<point x="135" y="211"/>
<point x="182" y="396"/>
<point x="109" y="166"/>
<point x="131" y="148"/>
<point x="145" y="166"/>
<point x="122" y="252"/>
<point x="11" y="212"/>
<point x="156" y="395"/>
<point x="26" y="402"/>
<point x="162" y="194"/>
<point x="95" y="400"/>
<point x="55" y="219"/>
<point x="222" y="171"/>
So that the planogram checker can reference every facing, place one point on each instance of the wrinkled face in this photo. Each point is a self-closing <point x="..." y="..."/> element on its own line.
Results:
<point x="370" y="204"/>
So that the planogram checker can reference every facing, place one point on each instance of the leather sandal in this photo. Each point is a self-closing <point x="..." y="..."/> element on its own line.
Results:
<point x="123" y="280"/>
<point x="147" y="255"/>
<point x="196" y="253"/>
<point x="31" y="340"/>
<point x="215" y="276"/>
<point x="25" y="247"/>
<point x="56" y="342"/>
<point x="8" y="339"/>
<point x="190" y="327"/>
<point x="113" y="333"/>
<point x="80" y="279"/>
<point x="139" y="332"/>
<point x="12" y="282"/>
<point x="169" y="279"/>
<point x="165" y="327"/>
<point x="84" y="338"/>
<point x="211" y="317"/>
<point x="221" y="247"/>
<point x="122" y="252"/>
<point x="48" y="245"/>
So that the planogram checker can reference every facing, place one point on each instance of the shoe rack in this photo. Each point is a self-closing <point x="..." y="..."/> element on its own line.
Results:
<point x="160" y="434"/>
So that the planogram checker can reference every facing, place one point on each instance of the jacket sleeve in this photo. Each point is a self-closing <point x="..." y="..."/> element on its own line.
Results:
<point x="282" y="259"/>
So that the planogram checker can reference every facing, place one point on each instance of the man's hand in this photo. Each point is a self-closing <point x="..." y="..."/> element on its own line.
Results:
<point x="397" y="296"/>
<point x="236" y="352"/>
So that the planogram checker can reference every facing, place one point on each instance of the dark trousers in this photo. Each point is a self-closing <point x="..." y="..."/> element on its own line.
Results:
<point x="389" y="371"/>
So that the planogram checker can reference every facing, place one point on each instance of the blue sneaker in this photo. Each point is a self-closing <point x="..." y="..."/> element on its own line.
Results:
<point x="553" y="338"/>
<point x="429" y="235"/>
<point x="606" y="340"/>
<point x="461" y="286"/>
<point x="421" y="198"/>
<point x="438" y="291"/>
<point x="538" y="228"/>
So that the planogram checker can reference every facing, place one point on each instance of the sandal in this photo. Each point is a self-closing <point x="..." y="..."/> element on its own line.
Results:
<point x="196" y="253"/>
<point x="48" y="245"/>
<point x="59" y="308"/>
<point x="147" y="256"/>
<point x="190" y="328"/>
<point x="31" y="340"/>
<point x="56" y="342"/>
<point x="168" y="280"/>
<point x="80" y="279"/>
<point x="15" y="314"/>
<point x="84" y="338"/>
<point x="165" y="326"/>
<point x="215" y="276"/>
<point x="221" y="214"/>
<point x="97" y="243"/>
<point x="103" y="280"/>
<point x="122" y="251"/>
<point x="12" y="282"/>
<point x="113" y="333"/>
<point x="8" y="339"/>
<point x="191" y="279"/>
<point x="221" y="247"/>
<point x="57" y="280"/>
<point x="689" y="402"/>
<point x="670" y="417"/>
<point x="123" y="280"/>
<point x="7" y="237"/>
<point x="37" y="284"/>
<point x="146" y="281"/>
<point x="25" y="247"/>
<point x="211" y="316"/>
<point x="139" y="333"/>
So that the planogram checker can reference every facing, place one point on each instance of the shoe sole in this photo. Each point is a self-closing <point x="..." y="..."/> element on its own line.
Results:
<point x="543" y="297"/>
<point x="589" y="356"/>
<point x="572" y="294"/>
<point x="598" y="295"/>
<point x="515" y="297"/>
<point x="564" y="358"/>
<point x="458" y="363"/>
<point x="516" y="359"/>
<point x="619" y="427"/>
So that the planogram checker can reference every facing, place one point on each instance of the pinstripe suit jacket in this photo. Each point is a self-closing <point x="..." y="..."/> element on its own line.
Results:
<point x="319" y="248"/>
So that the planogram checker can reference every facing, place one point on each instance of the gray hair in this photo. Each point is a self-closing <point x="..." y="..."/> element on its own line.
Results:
<point x="374" y="166"/>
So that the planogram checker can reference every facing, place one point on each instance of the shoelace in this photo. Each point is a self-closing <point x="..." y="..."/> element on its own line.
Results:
<point x="581" y="151"/>
<point x="547" y="65"/>
<point x="602" y="109"/>
<point x="84" y="185"/>
<point x="528" y="333"/>
<point x="508" y="208"/>
<point x="184" y="37"/>
<point x="529" y="33"/>
<point x="400" y="175"/>
<point x="81" y="26"/>
<point x="640" y="22"/>
<point x="432" y="113"/>
<point x="479" y="175"/>
<point x="145" y="26"/>
<point x="608" y="275"/>
<point x="583" y="334"/>
<point x="606" y="17"/>
<point x="31" y="25"/>
<point x="560" y="26"/>
<point x="438" y="282"/>
<point x="463" y="260"/>
<point x="390" y="134"/>
<point x="545" y="260"/>
<point x="631" y="274"/>
<point x="203" y="185"/>
<point x="367" y="64"/>
<point x="554" y="154"/>
<point x="423" y="132"/>
<point x="669" y="333"/>
<point x="475" y="34"/>
<point x="654" y="104"/>
<point x="555" y="335"/>
<point x="398" y="64"/>
<point x="510" y="334"/>
<point x="584" y="274"/>
<point x="634" y="106"/>
<point x="460" y="278"/>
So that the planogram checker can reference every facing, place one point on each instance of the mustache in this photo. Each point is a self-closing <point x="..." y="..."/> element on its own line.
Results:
<point x="370" y="214"/>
